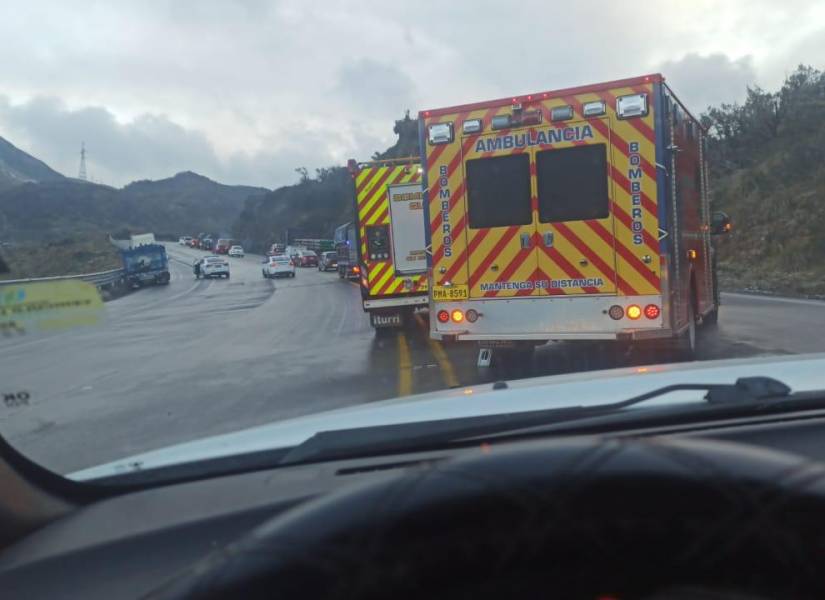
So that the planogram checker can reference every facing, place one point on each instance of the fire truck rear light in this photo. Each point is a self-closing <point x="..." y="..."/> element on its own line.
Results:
<point x="472" y="126"/>
<point x="472" y="315"/>
<point x="652" y="311"/>
<point x="501" y="122"/>
<point x="634" y="312"/>
<point x="441" y="133"/>
<point x="594" y="109"/>
<point x="634" y="105"/>
<point x="457" y="316"/>
<point x="561" y="113"/>
<point x="616" y="312"/>
<point x="443" y="316"/>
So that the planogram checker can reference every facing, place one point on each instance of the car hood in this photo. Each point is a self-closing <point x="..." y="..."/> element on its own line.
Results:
<point x="590" y="388"/>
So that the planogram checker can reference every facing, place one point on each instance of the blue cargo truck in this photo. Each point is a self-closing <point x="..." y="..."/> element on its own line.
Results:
<point x="146" y="265"/>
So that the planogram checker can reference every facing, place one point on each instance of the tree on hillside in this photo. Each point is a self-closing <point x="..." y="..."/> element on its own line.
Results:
<point x="740" y="134"/>
<point x="407" y="144"/>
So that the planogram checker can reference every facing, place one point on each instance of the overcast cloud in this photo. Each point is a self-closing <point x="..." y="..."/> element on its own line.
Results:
<point x="246" y="91"/>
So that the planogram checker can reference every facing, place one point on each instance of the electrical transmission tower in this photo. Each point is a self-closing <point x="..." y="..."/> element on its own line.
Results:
<point x="82" y="172"/>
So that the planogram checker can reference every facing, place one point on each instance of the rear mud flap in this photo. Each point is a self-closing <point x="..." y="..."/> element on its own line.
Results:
<point x="386" y="319"/>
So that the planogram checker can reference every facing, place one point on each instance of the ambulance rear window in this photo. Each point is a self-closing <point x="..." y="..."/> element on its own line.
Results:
<point x="572" y="183"/>
<point x="498" y="191"/>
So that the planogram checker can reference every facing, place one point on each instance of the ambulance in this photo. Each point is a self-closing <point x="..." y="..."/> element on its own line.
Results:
<point x="389" y="208"/>
<point x="575" y="214"/>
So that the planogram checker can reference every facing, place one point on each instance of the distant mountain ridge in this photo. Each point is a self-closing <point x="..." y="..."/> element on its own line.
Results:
<point x="186" y="203"/>
<point x="18" y="167"/>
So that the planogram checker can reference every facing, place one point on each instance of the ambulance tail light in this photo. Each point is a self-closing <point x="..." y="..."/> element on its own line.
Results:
<point x="472" y="315"/>
<point x="616" y="312"/>
<point x="472" y="126"/>
<point x="634" y="312"/>
<point x="652" y="311"/>
<point x="443" y="316"/>
<point x="441" y="133"/>
<point x="457" y="316"/>
<point x="634" y="105"/>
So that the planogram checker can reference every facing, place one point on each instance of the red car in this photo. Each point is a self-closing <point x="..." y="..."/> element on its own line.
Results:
<point x="223" y="245"/>
<point x="306" y="258"/>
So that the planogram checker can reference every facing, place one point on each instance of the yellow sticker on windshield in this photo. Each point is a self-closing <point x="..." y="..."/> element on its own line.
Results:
<point x="48" y="306"/>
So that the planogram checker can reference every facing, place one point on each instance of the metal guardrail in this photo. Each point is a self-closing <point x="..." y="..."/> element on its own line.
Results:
<point x="101" y="279"/>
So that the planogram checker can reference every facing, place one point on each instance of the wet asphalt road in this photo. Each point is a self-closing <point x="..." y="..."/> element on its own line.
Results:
<point x="197" y="358"/>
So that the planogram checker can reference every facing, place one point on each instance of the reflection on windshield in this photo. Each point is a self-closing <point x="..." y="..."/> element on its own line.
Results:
<point x="445" y="222"/>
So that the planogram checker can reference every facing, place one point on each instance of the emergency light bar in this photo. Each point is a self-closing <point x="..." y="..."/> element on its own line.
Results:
<point x="501" y="122"/>
<point x="472" y="126"/>
<point x="594" y="109"/>
<point x="634" y="105"/>
<point x="441" y="133"/>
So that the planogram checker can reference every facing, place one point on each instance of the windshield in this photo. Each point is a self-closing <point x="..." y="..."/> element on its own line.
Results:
<point x="456" y="198"/>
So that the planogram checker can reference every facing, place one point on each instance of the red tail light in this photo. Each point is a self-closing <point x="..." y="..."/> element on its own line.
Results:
<point x="652" y="311"/>
<point x="443" y="316"/>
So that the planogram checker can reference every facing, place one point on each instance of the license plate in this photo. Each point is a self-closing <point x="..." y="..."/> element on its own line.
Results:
<point x="455" y="292"/>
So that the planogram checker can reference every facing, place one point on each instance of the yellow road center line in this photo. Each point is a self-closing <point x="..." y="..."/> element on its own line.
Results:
<point x="444" y="363"/>
<point x="404" y="366"/>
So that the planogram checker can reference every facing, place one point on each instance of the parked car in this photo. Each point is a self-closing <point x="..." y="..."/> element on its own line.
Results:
<point x="279" y="265"/>
<point x="328" y="261"/>
<point x="211" y="266"/>
<point x="306" y="258"/>
<point x="236" y="251"/>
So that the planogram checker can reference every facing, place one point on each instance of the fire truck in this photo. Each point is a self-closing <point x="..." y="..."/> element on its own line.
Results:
<point x="575" y="214"/>
<point x="389" y="210"/>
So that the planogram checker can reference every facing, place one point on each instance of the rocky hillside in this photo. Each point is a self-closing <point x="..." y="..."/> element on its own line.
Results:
<point x="17" y="167"/>
<point x="767" y="160"/>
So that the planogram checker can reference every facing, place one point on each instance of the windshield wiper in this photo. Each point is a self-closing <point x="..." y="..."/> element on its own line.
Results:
<point x="383" y="439"/>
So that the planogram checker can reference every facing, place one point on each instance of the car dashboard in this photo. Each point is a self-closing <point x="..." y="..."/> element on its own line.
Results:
<point x="128" y="545"/>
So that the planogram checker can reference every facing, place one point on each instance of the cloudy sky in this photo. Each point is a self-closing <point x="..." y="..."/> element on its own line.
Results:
<point x="246" y="91"/>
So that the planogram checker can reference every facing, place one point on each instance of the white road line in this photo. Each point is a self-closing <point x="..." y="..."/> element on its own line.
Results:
<point x="775" y="299"/>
